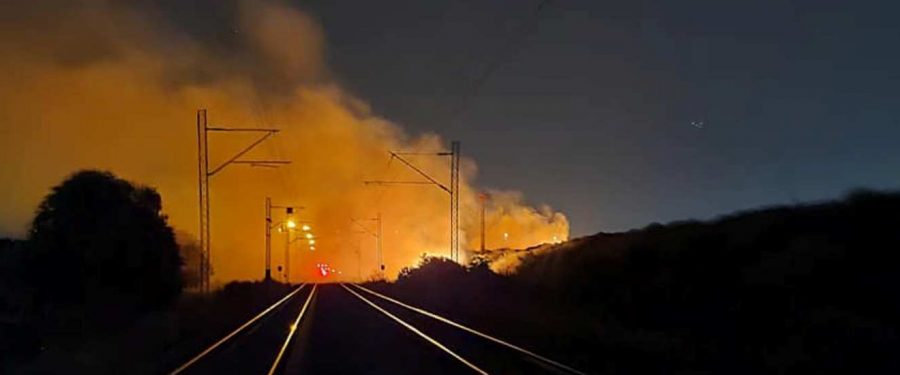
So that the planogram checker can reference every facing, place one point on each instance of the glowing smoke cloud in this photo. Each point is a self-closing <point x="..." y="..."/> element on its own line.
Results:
<point x="96" y="84"/>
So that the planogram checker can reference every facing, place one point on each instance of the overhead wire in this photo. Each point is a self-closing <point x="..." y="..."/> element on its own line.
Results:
<point x="512" y="44"/>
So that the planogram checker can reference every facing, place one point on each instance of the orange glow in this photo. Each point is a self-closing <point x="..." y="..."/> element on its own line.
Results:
<point x="132" y="113"/>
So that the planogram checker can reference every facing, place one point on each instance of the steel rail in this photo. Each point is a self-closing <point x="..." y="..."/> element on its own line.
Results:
<point x="233" y="333"/>
<point x="417" y="332"/>
<point x="472" y="331"/>
<point x="294" y="327"/>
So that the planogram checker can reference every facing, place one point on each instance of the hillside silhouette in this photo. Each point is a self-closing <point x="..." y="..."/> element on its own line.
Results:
<point x="791" y="289"/>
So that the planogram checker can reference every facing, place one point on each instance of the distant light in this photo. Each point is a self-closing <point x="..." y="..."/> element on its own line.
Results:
<point x="312" y="242"/>
<point x="312" y="248"/>
<point x="306" y="228"/>
<point x="291" y="224"/>
<point x="309" y="235"/>
<point x="555" y="239"/>
<point x="505" y="236"/>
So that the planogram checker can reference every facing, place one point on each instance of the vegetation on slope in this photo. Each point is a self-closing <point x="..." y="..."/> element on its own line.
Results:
<point x="807" y="288"/>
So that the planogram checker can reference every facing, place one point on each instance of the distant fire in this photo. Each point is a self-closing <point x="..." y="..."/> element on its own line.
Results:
<point x="120" y="91"/>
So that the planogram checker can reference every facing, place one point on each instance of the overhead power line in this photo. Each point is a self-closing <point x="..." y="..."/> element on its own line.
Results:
<point x="204" y="174"/>
<point x="452" y="190"/>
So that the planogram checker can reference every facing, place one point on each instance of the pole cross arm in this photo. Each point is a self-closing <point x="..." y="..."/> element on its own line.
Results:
<point x="365" y="230"/>
<point x="383" y="182"/>
<point x="452" y="190"/>
<point x="441" y="153"/>
<point x="244" y="130"/>
<point x="419" y="171"/>
<point x="263" y="163"/>
<point x="247" y="149"/>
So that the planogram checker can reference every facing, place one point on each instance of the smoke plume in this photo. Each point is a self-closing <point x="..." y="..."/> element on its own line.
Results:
<point x="115" y="85"/>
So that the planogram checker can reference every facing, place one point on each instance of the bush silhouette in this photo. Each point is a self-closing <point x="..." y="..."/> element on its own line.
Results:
<point x="432" y="270"/>
<point x="100" y="249"/>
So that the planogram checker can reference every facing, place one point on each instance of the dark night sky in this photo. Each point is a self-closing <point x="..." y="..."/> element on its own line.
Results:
<point x="590" y="108"/>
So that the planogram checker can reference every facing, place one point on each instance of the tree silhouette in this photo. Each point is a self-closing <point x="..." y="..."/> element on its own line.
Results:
<point x="191" y="256"/>
<point x="98" y="241"/>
